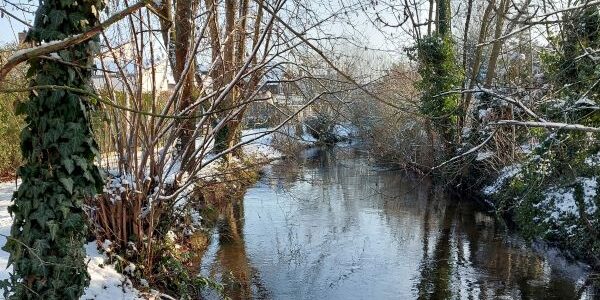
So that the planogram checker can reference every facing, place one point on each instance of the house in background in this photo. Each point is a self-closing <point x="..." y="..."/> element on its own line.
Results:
<point x="120" y="67"/>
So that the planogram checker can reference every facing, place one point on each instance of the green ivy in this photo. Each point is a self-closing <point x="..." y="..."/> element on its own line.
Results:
<point x="58" y="148"/>
<point x="558" y="163"/>
<point x="440" y="74"/>
<point x="572" y="69"/>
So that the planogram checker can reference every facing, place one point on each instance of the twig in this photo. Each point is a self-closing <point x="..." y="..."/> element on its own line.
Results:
<point x="472" y="150"/>
<point x="14" y="17"/>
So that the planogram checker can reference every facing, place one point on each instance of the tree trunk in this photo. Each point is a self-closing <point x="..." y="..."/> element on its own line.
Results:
<point x="463" y="112"/>
<point x="477" y="60"/>
<point x="235" y="130"/>
<point x="183" y="47"/>
<point x="497" y="44"/>
<point x="443" y="17"/>
<point x="225" y="134"/>
<point x="430" y="17"/>
<point x="58" y="147"/>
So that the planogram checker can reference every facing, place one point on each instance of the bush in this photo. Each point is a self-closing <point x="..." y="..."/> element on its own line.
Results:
<point x="555" y="194"/>
<point x="10" y="127"/>
<point x="321" y="128"/>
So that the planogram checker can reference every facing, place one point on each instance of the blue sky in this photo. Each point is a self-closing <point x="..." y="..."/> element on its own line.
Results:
<point x="355" y="25"/>
<point x="10" y="27"/>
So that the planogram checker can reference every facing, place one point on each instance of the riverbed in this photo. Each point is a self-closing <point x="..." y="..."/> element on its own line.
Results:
<point x="333" y="225"/>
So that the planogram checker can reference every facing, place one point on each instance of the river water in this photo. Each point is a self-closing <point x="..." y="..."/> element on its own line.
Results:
<point x="330" y="225"/>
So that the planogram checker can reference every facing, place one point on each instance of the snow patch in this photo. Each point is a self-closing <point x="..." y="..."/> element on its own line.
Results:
<point x="105" y="281"/>
<point x="259" y="144"/>
<point x="593" y="160"/>
<point x="483" y="114"/>
<point x="561" y="203"/>
<point x="590" y="188"/>
<point x="484" y="155"/>
<point x="345" y="131"/>
<point x="585" y="102"/>
<point x="505" y="174"/>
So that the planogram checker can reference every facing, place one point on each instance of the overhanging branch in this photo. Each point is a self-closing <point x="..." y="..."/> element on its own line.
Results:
<point x="54" y="46"/>
<point x="554" y="125"/>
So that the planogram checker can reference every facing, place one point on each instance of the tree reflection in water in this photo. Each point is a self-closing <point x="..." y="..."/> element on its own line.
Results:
<point x="335" y="227"/>
<point x="231" y="264"/>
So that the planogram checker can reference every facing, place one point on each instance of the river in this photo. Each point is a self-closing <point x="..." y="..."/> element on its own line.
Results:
<point x="331" y="225"/>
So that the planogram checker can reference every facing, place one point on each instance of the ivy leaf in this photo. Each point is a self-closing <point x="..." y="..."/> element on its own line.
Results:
<point x="20" y="108"/>
<point x="53" y="227"/>
<point x="69" y="165"/>
<point x="57" y="16"/>
<point x="71" y="73"/>
<point x="67" y="183"/>
<point x="41" y="216"/>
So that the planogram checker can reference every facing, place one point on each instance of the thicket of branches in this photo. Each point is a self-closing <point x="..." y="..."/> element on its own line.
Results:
<point x="473" y="88"/>
<point x="214" y="56"/>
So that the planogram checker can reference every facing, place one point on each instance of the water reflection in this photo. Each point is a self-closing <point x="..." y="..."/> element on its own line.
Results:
<point x="335" y="227"/>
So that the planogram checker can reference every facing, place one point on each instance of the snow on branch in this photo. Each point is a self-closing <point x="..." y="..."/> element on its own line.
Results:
<point x="554" y="125"/>
<point x="509" y="100"/>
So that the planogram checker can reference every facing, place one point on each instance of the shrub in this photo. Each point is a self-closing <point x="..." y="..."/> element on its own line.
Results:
<point x="10" y="127"/>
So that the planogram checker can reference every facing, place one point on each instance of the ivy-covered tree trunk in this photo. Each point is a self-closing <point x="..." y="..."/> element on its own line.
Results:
<point x="49" y="229"/>
<point x="440" y="73"/>
<point x="443" y="17"/>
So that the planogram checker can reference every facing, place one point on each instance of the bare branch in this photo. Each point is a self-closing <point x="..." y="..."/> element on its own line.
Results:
<point x="472" y="150"/>
<point x="560" y="126"/>
<point x="27" y="54"/>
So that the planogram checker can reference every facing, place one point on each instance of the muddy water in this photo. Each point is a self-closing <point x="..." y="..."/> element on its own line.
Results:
<point x="332" y="226"/>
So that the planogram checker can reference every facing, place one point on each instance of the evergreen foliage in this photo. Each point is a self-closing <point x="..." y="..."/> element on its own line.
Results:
<point x="556" y="194"/>
<point x="572" y="68"/>
<point x="58" y="148"/>
<point x="440" y="74"/>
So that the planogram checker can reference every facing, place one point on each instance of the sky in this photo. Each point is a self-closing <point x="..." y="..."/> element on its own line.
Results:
<point x="358" y="25"/>
<point x="10" y="27"/>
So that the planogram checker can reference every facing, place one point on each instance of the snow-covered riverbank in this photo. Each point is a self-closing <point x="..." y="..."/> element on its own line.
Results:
<point x="106" y="282"/>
